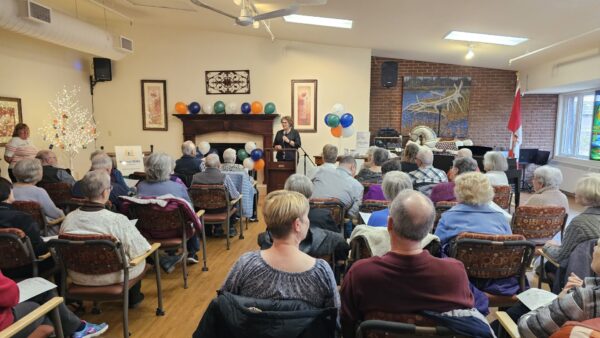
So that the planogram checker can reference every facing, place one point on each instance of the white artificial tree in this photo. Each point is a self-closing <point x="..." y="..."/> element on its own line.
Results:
<point x="72" y="126"/>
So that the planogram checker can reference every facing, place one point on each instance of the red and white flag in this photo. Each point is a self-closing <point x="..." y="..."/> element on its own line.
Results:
<point x="514" y="125"/>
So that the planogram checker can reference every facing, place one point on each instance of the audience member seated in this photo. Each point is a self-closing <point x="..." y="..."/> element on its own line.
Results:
<point x="584" y="226"/>
<point x="190" y="162"/>
<point x="445" y="191"/>
<point x="406" y="280"/>
<point x="11" y="311"/>
<point x="461" y="153"/>
<point x="28" y="172"/>
<point x="340" y="184"/>
<point x="229" y="157"/>
<point x="409" y="157"/>
<point x="10" y="218"/>
<point x="546" y="183"/>
<point x="330" y="154"/>
<point x="93" y="218"/>
<point x="426" y="176"/>
<point x="157" y="183"/>
<point x="393" y="183"/>
<point x="495" y="165"/>
<point x="577" y="302"/>
<point x="373" y="173"/>
<point x="101" y="161"/>
<point x="473" y="212"/>
<point x="369" y="161"/>
<point x="375" y="192"/>
<point x="51" y="173"/>
<point x="285" y="271"/>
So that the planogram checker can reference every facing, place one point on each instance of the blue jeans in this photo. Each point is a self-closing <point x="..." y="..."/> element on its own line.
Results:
<point x="193" y="245"/>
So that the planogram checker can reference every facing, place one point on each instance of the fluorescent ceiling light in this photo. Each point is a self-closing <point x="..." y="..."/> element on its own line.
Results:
<point x="485" y="38"/>
<point x="318" y="21"/>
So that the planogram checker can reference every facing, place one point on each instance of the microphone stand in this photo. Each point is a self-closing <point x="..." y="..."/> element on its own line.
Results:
<point x="305" y="157"/>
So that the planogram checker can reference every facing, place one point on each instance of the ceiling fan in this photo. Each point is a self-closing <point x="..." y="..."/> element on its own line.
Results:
<point x="249" y="15"/>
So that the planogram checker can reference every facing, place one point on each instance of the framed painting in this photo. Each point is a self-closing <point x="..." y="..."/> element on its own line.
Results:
<point x="304" y="105"/>
<point x="10" y="115"/>
<point x="154" y="105"/>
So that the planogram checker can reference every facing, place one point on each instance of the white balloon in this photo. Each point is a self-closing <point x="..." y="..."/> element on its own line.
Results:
<point x="249" y="163"/>
<point x="338" y="113"/>
<point x="231" y="108"/>
<point x="347" y="132"/>
<point x="249" y="146"/>
<point x="207" y="108"/>
<point x="204" y="147"/>
<point x="338" y="108"/>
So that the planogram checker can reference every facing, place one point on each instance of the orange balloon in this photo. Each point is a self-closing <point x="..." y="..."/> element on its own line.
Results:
<point x="257" y="107"/>
<point x="181" y="107"/>
<point x="259" y="165"/>
<point x="337" y="131"/>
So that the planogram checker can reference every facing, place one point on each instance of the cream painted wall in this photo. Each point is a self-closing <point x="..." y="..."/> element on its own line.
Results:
<point x="35" y="71"/>
<point x="181" y="56"/>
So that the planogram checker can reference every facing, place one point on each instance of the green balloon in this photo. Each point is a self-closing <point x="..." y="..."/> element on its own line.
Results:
<point x="333" y="120"/>
<point x="269" y="108"/>
<point x="219" y="107"/>
<point x="242" y="154"/>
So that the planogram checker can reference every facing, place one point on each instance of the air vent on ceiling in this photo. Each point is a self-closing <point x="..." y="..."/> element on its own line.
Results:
<point x="37" y="12"/>
<point x="126" y="44"/>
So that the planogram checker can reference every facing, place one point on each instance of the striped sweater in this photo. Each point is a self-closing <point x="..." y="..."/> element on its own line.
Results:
<point x="578" y="305"/>
<point x="584" y="227"/>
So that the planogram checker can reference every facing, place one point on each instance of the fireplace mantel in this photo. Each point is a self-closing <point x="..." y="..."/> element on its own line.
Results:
<point x="261" y="124"/>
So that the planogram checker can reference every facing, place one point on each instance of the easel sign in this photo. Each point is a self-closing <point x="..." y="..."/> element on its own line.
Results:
<point x="362" y="142"/>
<point x="129" y="159"/>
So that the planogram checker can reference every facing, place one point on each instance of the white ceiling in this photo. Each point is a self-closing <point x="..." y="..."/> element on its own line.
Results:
<point x="406" y="29"/>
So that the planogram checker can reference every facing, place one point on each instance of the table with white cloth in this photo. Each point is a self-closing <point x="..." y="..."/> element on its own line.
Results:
<point x="242" y="182"/>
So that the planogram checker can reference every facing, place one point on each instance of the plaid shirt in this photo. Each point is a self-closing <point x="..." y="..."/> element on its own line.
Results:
<point x="424" y="179"/>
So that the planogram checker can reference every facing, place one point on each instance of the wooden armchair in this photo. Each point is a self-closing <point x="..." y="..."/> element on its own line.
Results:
<point x="380" y="324"/>
<point x="97" y="255"/>
<point x="335" y="206"/>
<point x="539" y="224"/>
<point x="35" y="210"/>
<point x="373" y="205"/>
<point x="440" y="208"/>
<point x="60" y="194"/>
<point x="16" y="251"/>
<point x="51" y="307"/>
<point x="503" y="196"/>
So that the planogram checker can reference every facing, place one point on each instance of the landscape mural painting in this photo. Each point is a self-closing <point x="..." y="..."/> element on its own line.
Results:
<point x="424" y="98"/>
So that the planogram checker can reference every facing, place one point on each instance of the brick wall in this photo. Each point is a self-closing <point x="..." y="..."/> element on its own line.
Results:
<point x="492" y="94"/>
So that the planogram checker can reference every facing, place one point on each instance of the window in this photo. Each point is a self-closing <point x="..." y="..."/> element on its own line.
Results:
<point x="574" y="127"/>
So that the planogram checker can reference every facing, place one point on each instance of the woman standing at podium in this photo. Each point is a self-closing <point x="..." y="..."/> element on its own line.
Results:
<point x="286" y="138"/>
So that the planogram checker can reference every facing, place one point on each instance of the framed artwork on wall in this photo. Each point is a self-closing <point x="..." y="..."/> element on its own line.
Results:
<point x="304" y="105"/>
<point x="154" y="105"/>
<point x="227" y="82"/>
<point x="10" y="115"/>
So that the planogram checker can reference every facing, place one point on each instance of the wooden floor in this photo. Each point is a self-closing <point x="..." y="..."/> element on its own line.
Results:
<point x="183" y="307"/>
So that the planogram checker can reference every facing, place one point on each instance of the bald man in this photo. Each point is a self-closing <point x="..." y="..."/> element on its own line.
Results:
<point x="407" y="279"/>
<point x="51" y="173"/>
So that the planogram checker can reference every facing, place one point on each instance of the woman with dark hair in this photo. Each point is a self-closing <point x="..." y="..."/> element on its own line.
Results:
<point x="18" y="148"/>
<point x="286" y="138"/>
<point x="373" y="173"/>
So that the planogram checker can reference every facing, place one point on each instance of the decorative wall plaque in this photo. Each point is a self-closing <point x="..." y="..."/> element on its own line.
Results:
<point x="227" y="82"/>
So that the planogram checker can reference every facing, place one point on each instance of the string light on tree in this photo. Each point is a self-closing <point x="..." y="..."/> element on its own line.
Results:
<point x="72" y="126"/>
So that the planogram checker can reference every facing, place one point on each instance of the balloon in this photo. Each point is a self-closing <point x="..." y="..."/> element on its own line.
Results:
<point x="232" y="108"/>
<point x="346" y="120"/>
<point x="181" y="108"/>
<point x="249" y="163"/>
<point x="204" y="147"/>
<point x="246" y="109"/>
<point x="333" y="121"/>
<point x="208" y="109"/>
<point x="347" y="132"/>
<point x="327" y="118"/>
<point x="242" y="154"/>
<point x="269" y="108"/>
<point x="259" y="165"/>
<point x="256" y="154"/>
<point x="194" y="108"/>
<point x="257" y="107"/>
<point x="219" y="107"/>
<point x="337" y="131"/>
<point x="249" y="146"/>
<point x="338" y="108"/>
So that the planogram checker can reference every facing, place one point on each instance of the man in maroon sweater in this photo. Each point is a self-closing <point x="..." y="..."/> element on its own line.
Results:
<point x="407" y="279"/>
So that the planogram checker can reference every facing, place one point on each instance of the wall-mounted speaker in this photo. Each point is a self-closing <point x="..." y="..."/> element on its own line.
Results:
<point x="389" y="74"/>
<point x="102" y="70"/>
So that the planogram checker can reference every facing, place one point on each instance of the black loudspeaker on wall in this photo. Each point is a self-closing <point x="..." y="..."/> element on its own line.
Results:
<point x="389" y="74"/>
<point x="102" y="70"/>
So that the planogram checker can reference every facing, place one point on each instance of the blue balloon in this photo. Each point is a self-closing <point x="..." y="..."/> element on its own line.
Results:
<point x="256" y="154"/>
<point x="194" y="108"/>
<point x="246" y="108"/>
<point x="346" y="120"/>
<point x="327" y="117"/>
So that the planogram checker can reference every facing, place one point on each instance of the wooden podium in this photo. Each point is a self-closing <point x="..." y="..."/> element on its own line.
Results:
<point x="277" y="172"/>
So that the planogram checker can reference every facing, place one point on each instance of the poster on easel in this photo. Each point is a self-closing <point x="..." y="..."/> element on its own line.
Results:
<point x="595" y="142"/>
<point x="129" y="159"/>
